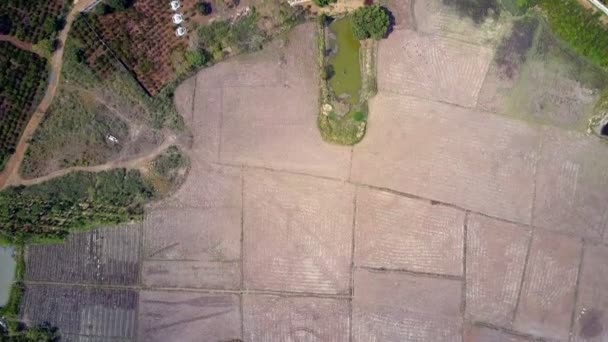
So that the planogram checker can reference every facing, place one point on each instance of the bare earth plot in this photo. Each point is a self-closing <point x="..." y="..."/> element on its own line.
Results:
<point x="447" y="223"/>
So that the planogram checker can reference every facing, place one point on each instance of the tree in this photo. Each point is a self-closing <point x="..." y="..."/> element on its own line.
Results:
<point x="196" y="59"/>
<point x="370" y="22"/>
<point x="323" y="3"/>
<point x="5" y="24"/>
<point x="204" y="8"/>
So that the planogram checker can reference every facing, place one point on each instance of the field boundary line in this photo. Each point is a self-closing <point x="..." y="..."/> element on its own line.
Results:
<point x="410" y="272"/>
<point x="139" y="288"/>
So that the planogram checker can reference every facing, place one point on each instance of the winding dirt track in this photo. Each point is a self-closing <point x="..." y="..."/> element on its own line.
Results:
<point x="10" y="175"/>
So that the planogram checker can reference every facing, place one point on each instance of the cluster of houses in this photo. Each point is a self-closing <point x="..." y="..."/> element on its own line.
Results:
<point x="178" y="18"/>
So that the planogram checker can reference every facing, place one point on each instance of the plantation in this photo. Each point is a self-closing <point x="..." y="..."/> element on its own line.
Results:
<point x="75" y="201"/>
<point x="22" y="83"/>
<point x="32" y="20"/>
<point x="143" y="37"/>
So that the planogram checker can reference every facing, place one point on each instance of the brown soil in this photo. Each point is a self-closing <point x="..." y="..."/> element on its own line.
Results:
<point x="18" y="43"/>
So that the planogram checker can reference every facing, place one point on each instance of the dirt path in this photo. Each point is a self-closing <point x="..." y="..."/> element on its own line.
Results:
<point x="18" y="43"/>
<point x="10" y="175"/>
<point x="137" y="163"/>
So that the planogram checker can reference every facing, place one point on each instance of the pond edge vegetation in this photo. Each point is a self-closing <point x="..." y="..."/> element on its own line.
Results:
<point x="349" y="128"/>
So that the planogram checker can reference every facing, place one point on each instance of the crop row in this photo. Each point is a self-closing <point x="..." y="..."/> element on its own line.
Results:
<point x="144" y="39"/>
<point x="32" y="20"/>
<point x="21" y="84"/>
<point x="92" y="52"/>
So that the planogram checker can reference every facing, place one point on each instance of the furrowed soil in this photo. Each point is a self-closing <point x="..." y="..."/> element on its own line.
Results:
<point x="459" y="217"/>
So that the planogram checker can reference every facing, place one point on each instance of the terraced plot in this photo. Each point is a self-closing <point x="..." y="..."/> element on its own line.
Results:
<point x="473" y="160"/>
<point x="448" y="224"/>
<point x="82" y="312"/>
<point x="184" y="316"/>
<point x="296" y="238"/>
<point x="433" y="67"/>
<point x="107" y="256"/>
<point x="194" y="239"/>
<point x="394" y="307"/>
<point x="280" y="318"/>
<point x="393" y="232"/>
<point x="571" y="184"/>
<point x="281" y="132"/>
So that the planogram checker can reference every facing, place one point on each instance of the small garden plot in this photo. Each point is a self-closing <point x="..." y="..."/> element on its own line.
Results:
<point x="22" y="83"/>
<point x="348" y="74"/>
<point x="32" y="20"/>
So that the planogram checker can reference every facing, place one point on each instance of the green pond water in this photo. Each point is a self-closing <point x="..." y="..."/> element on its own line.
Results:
<point x="7" y="272"/>
<point x="345" y="63"/>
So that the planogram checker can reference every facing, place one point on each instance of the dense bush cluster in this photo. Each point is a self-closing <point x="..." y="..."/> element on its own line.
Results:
<point x="32" y="20"/>
<point x="221" y="38"/>
<point x="370" y="22"/>
<point x="22" y="82"/>
<point x="77" y="200"/>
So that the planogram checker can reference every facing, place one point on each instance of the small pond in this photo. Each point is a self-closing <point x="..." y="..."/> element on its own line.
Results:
<point x="346" y="80"/>
<point x="7" y="272"/>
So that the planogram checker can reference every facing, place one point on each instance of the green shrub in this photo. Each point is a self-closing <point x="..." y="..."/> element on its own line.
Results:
<point x="370" y="22"/>
<point x="196" y="59"/>
<point x="219" y="37"/>
<point x="323" y="3"/>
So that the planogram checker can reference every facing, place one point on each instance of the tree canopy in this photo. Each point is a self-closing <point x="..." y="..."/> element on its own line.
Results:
<point x="323" y="3"/>
<point x="370" y="22"/>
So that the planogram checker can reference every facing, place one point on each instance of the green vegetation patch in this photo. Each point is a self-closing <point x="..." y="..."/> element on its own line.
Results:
<point x="577" y="26"/>
<point x="22" y="82"/>
<point x="370" y="22"/>
<point x="580" y="28"/>
<point x="348" y="80"/>
<point x="76" y="201"/>
<point x="346" y="130"/>
<point x="169" y="170"/>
